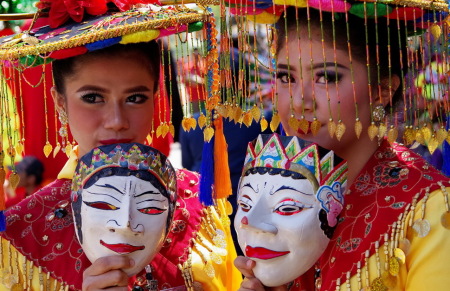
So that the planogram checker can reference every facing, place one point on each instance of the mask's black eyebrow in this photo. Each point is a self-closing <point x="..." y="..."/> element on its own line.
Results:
<point x="147" y="192"/>
<point x="290" y="188"/>
<point x="109" y="186"/>
<point x="104" y="194"/>
<point x="250" y="186"/>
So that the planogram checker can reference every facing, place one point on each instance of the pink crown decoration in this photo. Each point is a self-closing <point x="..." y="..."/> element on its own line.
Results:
<point x="283" y="152"/>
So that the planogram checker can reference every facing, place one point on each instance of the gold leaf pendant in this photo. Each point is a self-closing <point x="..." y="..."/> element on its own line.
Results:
<point x="340" y="130"/>
<point x="372" y="131"/>
<point x="315" y="126"/>
<point x="358" y="128"/>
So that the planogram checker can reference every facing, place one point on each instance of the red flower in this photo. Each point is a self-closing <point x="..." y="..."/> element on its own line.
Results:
<point x="125" y="5"/>
<point x="63" y="10"/>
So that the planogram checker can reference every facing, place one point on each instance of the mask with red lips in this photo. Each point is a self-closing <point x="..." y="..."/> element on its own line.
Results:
<point x="288" y="204"/>
<point x="122" y="205"/>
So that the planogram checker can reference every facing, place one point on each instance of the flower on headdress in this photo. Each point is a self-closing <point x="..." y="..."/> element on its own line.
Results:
<point x="63" y="10"/>
<point x="125" y="5"/>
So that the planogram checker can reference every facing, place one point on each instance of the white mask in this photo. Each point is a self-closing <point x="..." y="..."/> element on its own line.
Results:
<point x="123" y="215"/>
<point x="278" y="226"/>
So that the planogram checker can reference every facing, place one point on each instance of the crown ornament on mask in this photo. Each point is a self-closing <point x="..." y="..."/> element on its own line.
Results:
<point x="283" y="152"/>
<point x="134" y="157"/>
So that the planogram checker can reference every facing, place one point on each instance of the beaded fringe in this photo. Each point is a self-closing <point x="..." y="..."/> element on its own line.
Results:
<point x="394" y="246"/>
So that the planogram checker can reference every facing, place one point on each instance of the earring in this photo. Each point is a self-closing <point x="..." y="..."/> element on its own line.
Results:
<point x="64" y="121"/>
<point x="378" y="113"/>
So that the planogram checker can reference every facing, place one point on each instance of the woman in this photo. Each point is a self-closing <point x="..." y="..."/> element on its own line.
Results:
<point x="107" y="96"/>
<point x="395" y="200"/>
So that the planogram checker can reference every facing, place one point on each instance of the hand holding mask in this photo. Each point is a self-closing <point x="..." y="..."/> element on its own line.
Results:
<point x="289" y="201"/>
<point x="123" y="198"/>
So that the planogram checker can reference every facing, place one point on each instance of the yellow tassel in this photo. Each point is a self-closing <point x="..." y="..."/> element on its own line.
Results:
<point x="222" y="179"/>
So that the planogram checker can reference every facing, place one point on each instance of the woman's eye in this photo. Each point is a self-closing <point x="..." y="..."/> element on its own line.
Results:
<point x="328" y="77"/>
<point x="285" y="77"/>
<point x="137" y="99"/>
<point x="245" y="203"/>
<point x="101" y="205"/>
<point x="288" y="208"/>
<point x="92" y="98"/>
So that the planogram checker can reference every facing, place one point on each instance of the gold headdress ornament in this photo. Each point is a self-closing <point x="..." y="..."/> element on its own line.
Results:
<point x="63" y="29"/>
<point x="417" y="34"/>
<point x="285" y="153"/>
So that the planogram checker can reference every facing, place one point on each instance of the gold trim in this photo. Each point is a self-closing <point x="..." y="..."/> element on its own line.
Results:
<point x="432" y="5"/>
<point x="86" y="38"/>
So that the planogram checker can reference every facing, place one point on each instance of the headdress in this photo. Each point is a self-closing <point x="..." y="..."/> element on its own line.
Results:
<point x="132" y="157"/>
<point x="272" y="153"/>
<point x="62" y="29"/>
<point x="285" y="152"/>
<point x="417" y="33"/>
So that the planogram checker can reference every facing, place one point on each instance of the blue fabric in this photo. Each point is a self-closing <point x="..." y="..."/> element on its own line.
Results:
<point x="2" y="221"/>
<point x="446" y="153"/>
<point x="207" y="173"/>
<point x="103" y="43"/>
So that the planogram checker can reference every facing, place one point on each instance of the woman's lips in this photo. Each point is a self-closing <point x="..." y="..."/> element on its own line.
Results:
<point x="263" y="253"/>
<point x="113" y="141"/>
<point x="122" y="248"/>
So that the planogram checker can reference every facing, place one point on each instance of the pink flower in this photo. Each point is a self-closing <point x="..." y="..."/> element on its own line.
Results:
<point x="125" y="5"/>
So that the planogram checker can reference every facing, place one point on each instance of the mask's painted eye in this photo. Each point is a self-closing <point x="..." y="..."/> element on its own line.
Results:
<point x="152" y="210"/>
<point x="245" y="203"/>
<point x="101" y="205"/>
<point x="289" y="207"/>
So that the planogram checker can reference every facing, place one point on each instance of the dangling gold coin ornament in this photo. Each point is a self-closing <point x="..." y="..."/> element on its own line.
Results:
<point x="331" y="127"/>
<point x="264" y="123"/>
<point x="293" y="123"/>
<point x="340" y="130"/>
<point x="392" y="134"/>
<point x="372" y="131"/>
<point x="315" y="126"/>
<point x="256" y="113"/>
<point x="421" y="227"/>
<point x="303" y="125"/>
<point x="445" y="219"/>
<point x="433" y="144"/>
<point x="275" y="122"/>
<point x="358" y="128"/>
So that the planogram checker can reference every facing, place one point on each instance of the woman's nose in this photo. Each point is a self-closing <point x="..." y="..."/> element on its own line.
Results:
<point x="116" y="117"/>
<point x="302" y="98"/>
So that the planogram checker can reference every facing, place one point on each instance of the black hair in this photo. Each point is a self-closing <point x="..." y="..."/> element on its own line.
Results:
<point x="391" y="40"/>
<point x="273" y="172"/>
<point x="119" y="171"/>
<point x="31" y="166"/>
<point x="327" y="229"/>
<point x="149" y="50"/>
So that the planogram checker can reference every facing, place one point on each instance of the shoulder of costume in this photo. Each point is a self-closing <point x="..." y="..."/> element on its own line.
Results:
<point x="197" y="232"/>
<point x="41" y="228"/>
<point x="401" y="181"/>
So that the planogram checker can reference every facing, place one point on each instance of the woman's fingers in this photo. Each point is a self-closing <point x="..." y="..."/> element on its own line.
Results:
<point x="252" y="284"/>
<point x="245" y="266"/>
<point x="105" y="264"/>
<point x="106" y="272"/>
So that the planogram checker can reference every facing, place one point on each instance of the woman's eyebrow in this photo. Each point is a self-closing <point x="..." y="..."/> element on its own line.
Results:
<point x="92" y="88"/>
<point x="138" y="89"/>
<point x="286" y="67"/>
<point x="328" y="64"/>
<point x="290" y="188"/>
